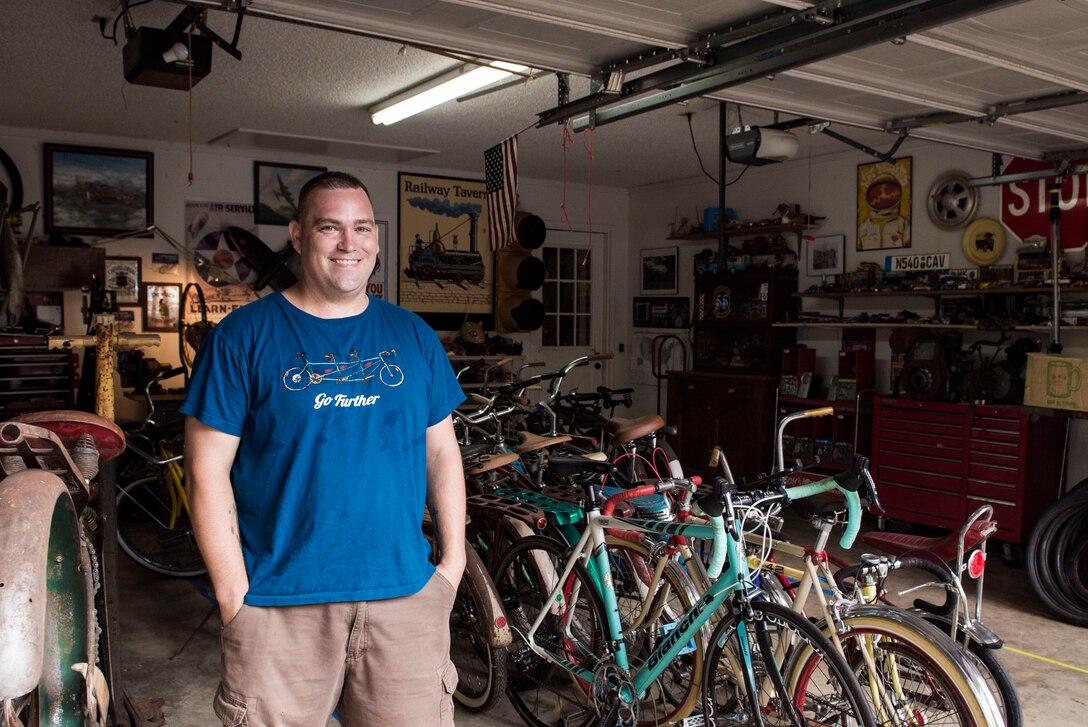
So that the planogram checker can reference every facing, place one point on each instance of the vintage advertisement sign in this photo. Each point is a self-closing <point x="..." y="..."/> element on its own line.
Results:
<point x="884" y="198"/>
<point x="221" y="271"/>
<point x="445" y="265"/>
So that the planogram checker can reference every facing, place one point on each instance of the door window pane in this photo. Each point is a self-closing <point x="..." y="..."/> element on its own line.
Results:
<point x="567" y="298"/>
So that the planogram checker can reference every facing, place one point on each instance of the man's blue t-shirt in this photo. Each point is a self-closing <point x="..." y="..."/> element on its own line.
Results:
<point x="330" y="477"/>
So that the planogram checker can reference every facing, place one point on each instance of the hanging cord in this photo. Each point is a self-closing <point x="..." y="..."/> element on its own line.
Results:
<point x="700" y="158"/>
<point x="189" y="39"/>
<point x="568" y="142"/>
<point x="695" y="147"/>
<point x="589" y="191"/>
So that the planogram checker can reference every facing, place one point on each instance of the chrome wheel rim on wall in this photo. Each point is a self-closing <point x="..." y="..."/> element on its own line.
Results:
<point x="952" y="201"/>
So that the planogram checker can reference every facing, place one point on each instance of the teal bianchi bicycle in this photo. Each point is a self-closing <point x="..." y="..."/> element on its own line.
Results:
<point x="765" y="665"/>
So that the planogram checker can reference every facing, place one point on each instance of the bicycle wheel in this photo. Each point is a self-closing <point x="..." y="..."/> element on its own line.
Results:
<point x="144" y="532"/>
<point x="993" y="671"/>
<point x="917" y="675"/>
<point x="574" y="629"/>
<point x="799" y="676"/>
<point x="674" y="694"/>
<point x="481" y="667"/>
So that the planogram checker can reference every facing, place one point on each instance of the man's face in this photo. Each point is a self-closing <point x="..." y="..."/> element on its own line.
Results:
<point x="337" y="242"/>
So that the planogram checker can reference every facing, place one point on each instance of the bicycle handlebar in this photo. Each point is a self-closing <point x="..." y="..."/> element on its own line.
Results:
<point x="853" y="506"/>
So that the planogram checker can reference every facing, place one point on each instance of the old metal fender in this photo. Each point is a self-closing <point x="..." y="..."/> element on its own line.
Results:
<point x="45" y="616"/>
<point x="477" y="579"/>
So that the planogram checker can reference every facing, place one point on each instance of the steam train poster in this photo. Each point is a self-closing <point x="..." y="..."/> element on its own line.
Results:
<point x="445" y="262"/>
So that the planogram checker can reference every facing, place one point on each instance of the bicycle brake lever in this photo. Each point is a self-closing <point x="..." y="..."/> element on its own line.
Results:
<point x="870" y="494"/>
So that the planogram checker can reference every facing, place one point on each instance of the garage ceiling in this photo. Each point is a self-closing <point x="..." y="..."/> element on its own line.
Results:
<point x="302" y="87"/>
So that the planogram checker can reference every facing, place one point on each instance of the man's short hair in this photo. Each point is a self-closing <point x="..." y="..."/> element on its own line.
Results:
<point x="327" y="180"/>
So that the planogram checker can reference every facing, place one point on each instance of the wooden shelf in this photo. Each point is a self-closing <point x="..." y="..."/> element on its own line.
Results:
<point x="962" y="293"/>
<point x="744" y="232"/>
<point x="941" y="326"/>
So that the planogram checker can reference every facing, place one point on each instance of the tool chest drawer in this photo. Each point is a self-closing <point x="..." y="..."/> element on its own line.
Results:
<point x="935" y="463"/>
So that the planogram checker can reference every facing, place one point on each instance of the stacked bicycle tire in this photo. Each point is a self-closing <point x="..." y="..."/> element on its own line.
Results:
<point x="1057" y="557"/>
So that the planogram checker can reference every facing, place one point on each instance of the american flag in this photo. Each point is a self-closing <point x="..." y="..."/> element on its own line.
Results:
<point x="501" y="178"/>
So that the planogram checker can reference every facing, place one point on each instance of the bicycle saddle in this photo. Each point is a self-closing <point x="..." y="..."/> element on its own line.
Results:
<point x="531" y="442"/>
<point x="939" y="547"/>
<point x="627" y="430"/>
<point x="488" y="462"/>
<point x="68" y="425"/>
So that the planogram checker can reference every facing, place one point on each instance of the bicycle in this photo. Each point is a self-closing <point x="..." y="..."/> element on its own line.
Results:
<point x="479" y="633"/>
<point x="343" y="372"/>
<point x="50" y="622"/>
<point x="154" y="525"/>
<point x="912" y="671"/>
<point x="572" y="665"/>
<point x="953" y="617"/>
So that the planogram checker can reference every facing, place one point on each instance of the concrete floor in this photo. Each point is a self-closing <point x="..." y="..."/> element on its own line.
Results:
<point x="1047" y="659"/>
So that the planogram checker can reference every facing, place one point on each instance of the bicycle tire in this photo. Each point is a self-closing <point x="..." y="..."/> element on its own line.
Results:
<point x="817" y="679"/>
<point x="933" y="682"/>
<point x="1067" y="558"/>
<point x="144" y="533"/>
<point x="674" y="694"/>
<point x="481" y="667"/>
<point x="1042" y="571"/>
<point x="993" y="672"/>
<point x="541" y="693"/>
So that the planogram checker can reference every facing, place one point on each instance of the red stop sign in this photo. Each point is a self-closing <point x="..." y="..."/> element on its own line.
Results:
<point x="1025" y="206"/>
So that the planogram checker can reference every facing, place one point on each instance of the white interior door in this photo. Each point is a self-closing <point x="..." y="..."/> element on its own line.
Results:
<point x="575" y="307"/>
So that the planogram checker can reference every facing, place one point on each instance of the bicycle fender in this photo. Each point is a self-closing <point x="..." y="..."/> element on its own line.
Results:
<point x="478" y="580"/>
<point x="46" y="607"/>
<point x="977" y="630"/>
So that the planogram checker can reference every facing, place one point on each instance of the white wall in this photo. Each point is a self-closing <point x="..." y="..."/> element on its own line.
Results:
<point x="226" y="175"/>
<point x="826" y="186"/>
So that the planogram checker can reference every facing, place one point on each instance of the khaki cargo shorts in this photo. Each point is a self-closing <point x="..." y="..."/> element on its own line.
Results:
<point x="376" y="663"/>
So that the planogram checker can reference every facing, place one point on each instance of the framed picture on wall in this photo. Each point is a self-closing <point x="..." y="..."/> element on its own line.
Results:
<point x="96" y="191"/>
<point x="162" y="306"/>
<point x="123" y="278"/>
<point x="884" y="200"/>
<point x="825" y="255"/>
<point x="275" y="190"/>
<point x="658" y="272"/>
<point x="445" y="267"/>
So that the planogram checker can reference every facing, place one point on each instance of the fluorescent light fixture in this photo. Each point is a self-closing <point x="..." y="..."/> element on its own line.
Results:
<point x="440" y="89"/>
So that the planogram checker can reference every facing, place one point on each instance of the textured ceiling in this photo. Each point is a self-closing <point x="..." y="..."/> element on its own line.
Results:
<point x="307" y="88"/>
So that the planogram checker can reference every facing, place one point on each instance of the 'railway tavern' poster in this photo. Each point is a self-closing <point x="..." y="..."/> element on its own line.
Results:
<point x="445" y="262"/>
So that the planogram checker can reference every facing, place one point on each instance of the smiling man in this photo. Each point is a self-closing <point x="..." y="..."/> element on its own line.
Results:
<point x="318" y="428"/>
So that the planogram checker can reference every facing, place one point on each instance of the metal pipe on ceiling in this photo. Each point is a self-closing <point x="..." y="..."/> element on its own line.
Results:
<point x="857" y="25"/>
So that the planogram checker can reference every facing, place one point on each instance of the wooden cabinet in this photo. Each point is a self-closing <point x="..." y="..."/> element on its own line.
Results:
<point x="734" y="317"/>
<point x="735" y="412"/>
<point x="935" y="463"/>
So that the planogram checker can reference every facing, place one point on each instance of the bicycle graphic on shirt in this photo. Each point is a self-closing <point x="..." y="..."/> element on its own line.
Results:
<point x="343" y="372"/>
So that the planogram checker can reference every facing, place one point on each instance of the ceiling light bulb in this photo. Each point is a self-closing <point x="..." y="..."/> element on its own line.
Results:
<point x="439" y="90"/>
<point x="176" y="53"/>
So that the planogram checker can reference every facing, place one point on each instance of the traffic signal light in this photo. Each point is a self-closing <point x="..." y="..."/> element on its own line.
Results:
<point x="518" y="273"/>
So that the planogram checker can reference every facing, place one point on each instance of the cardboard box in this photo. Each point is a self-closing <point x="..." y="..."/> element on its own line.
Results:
<point x="1057" y="382"/>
